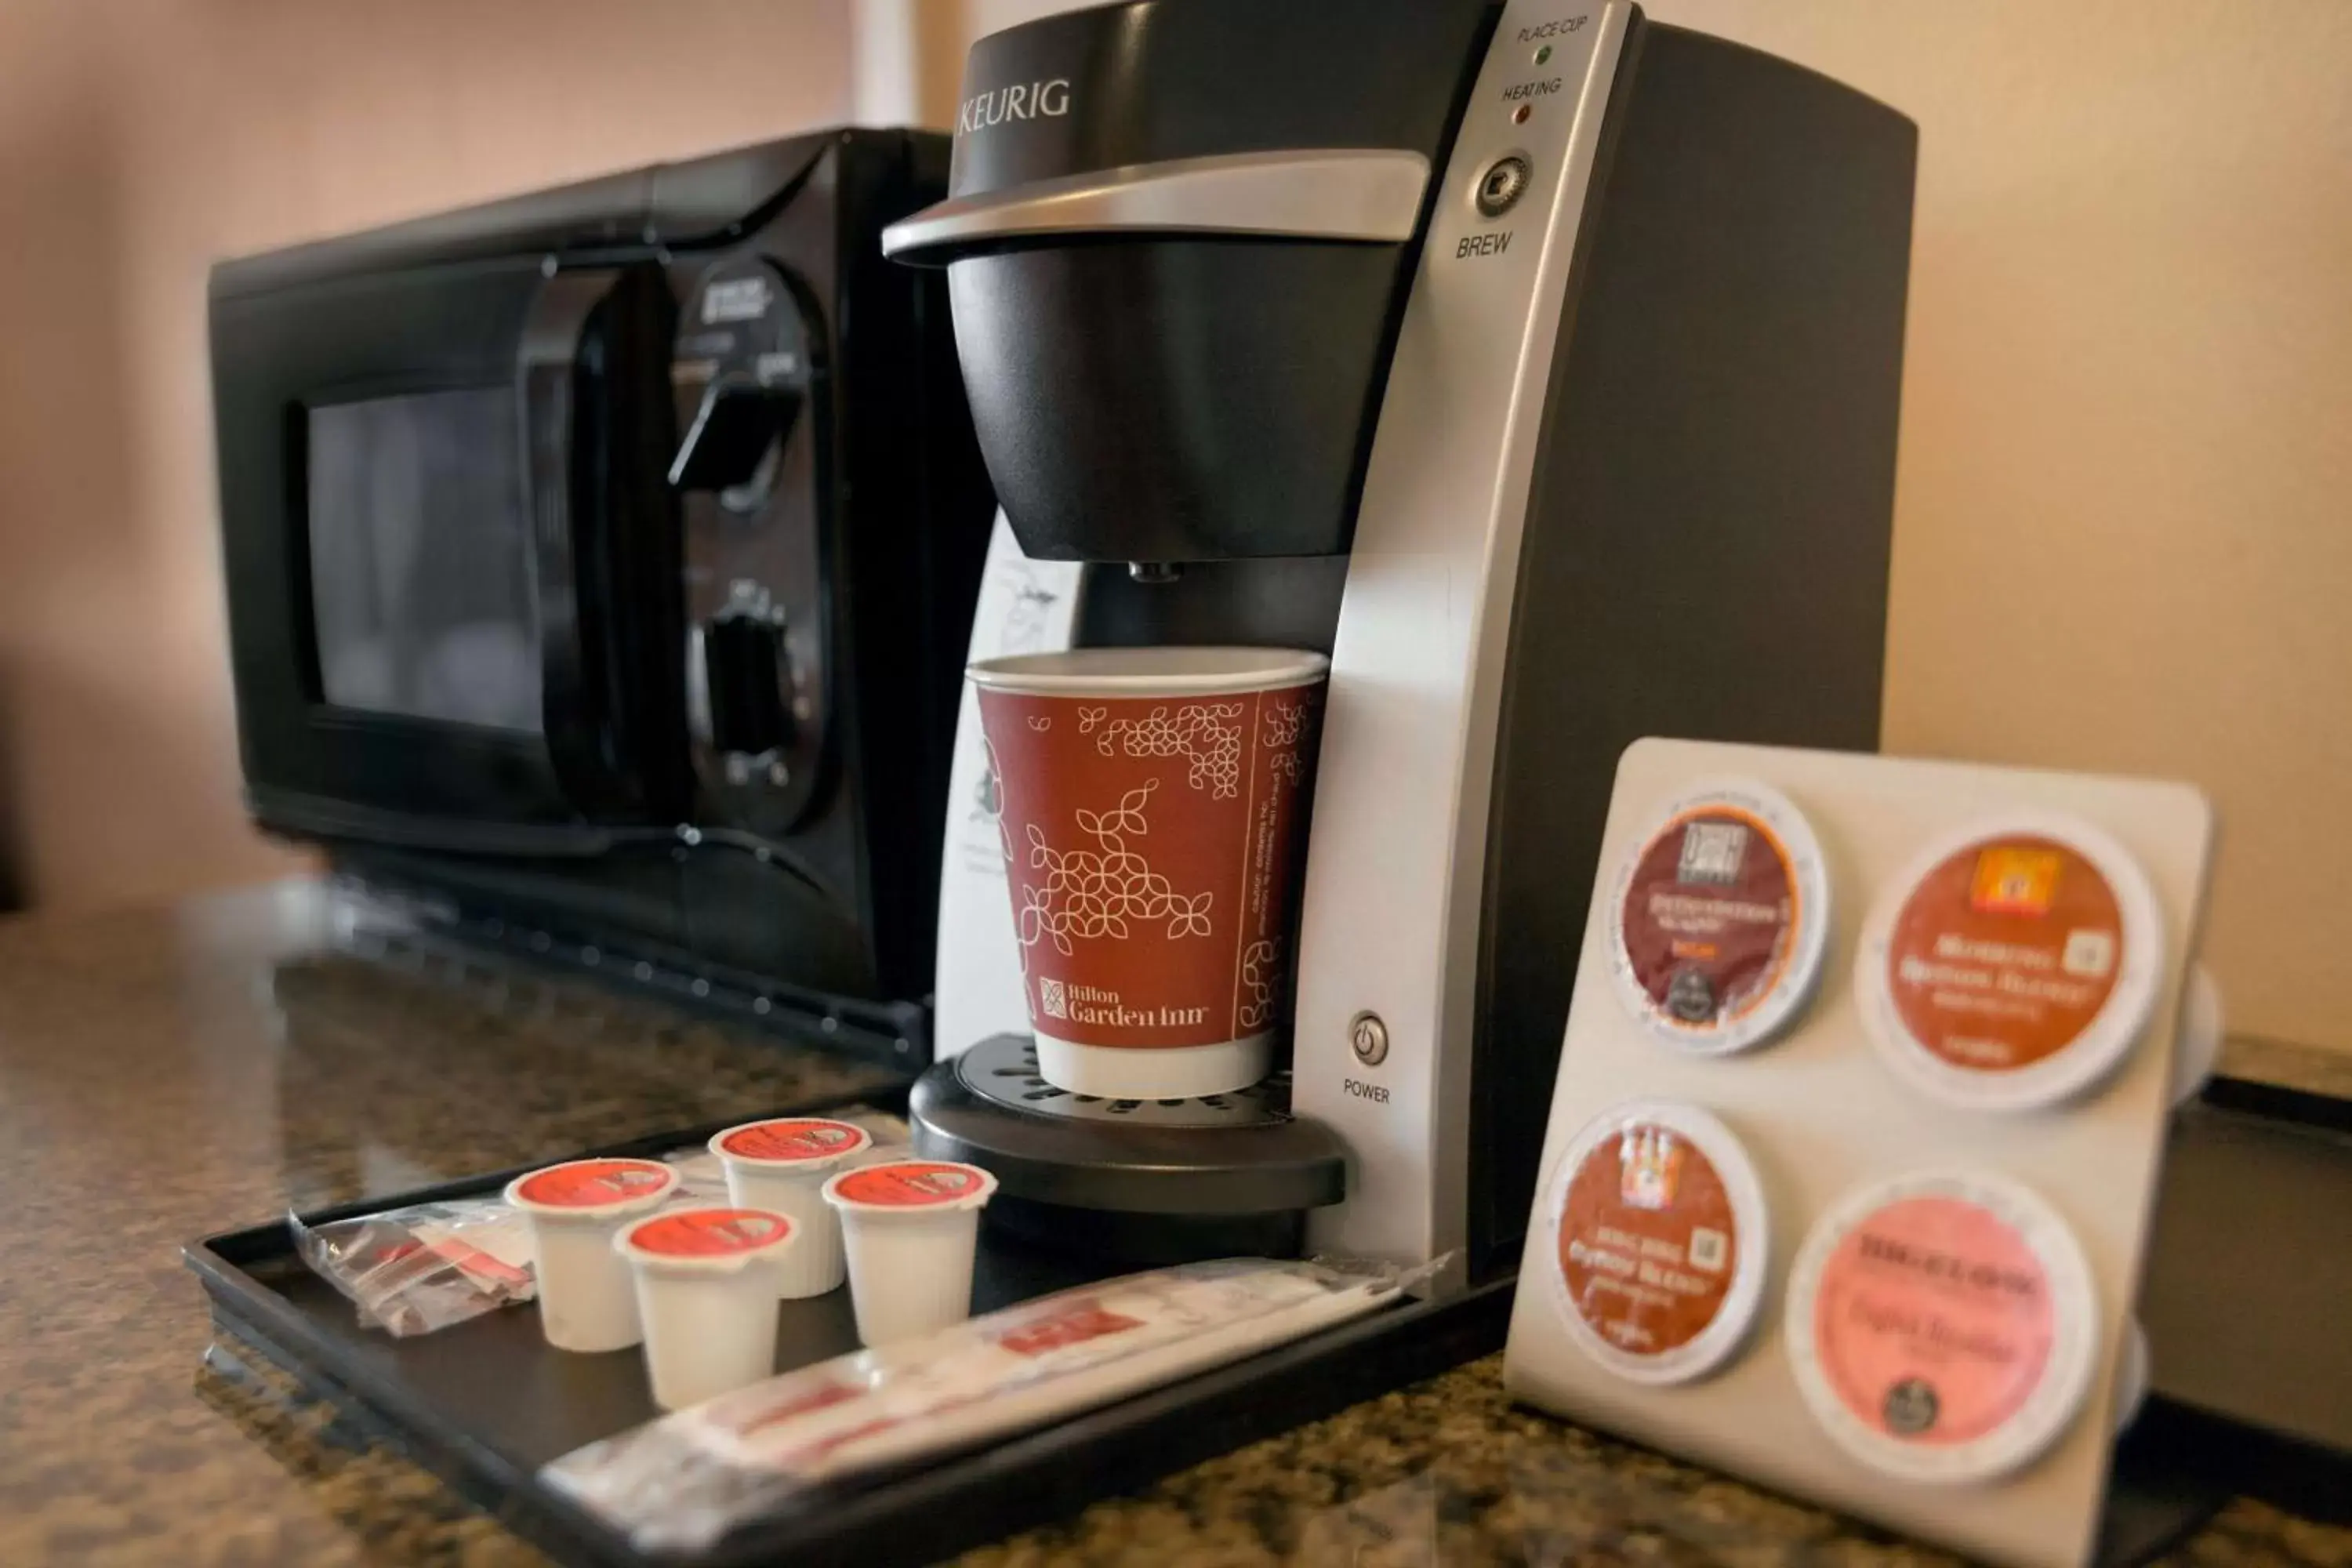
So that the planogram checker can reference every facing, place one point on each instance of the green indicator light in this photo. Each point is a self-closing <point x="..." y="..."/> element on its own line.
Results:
<point x="1543" y="54"/>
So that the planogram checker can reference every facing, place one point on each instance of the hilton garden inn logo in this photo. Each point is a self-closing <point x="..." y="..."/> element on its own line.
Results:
<point x="1100" y="1005"/>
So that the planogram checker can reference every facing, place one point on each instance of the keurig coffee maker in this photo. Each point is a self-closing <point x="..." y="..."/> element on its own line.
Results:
<point x="1537" y="361"/>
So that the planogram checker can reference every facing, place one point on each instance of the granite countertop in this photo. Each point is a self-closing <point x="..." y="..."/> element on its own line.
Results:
<point x="175" y="1072"/>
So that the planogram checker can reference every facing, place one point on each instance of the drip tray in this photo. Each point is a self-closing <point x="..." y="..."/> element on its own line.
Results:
<point x="1141" y="1181"/>
<point x="486" y="1402"/>
<point x="1002" y="1072"/>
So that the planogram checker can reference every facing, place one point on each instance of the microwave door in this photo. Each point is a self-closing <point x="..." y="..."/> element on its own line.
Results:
<point x="597" y="432"/>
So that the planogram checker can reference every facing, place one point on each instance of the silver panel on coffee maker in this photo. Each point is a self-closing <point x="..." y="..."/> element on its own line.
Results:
<point x="1392" y="899"/>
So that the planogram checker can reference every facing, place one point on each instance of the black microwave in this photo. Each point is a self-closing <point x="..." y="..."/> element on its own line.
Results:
<point x="601" y="563"/>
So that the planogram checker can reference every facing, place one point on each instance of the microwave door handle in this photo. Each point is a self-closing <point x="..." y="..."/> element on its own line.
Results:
<point x="548" y="363"/>
<point x="697" y="688"/>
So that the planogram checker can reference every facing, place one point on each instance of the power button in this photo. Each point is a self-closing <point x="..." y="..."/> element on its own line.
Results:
<point x="1369" y="1038"/>
<point x="1503" y="183"/>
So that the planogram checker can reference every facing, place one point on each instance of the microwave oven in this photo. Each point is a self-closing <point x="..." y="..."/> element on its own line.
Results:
<point x="599" y="563"/>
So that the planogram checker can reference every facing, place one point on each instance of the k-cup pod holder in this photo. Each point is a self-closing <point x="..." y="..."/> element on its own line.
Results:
<point x="1863" y="1094"/>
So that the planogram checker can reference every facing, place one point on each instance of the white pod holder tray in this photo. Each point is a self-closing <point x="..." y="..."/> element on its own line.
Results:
<point x="1822" y="1113"/>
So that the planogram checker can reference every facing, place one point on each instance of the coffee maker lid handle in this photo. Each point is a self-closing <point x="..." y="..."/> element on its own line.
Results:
<point x="1370" y="195"/>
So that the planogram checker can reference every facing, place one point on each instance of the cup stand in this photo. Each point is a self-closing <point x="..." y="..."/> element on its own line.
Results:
<point x="1140" y="1180"/>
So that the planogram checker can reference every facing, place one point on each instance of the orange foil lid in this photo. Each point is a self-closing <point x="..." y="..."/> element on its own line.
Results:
<point x="1659" y="1240"/>
<point x="708" y="1233"/>
<point x="913" y="1184"/>
<point x="593" y="1183"/>
<point x="1719" y="922"/>
<point x="792" y="1140"/>
<point x="2014" y="963"/>
<point x="1943" y="1327"/>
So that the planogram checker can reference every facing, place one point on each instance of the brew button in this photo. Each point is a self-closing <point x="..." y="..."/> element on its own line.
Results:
<point x="1502" y="185"/>
<point x="1369" y="1038"/>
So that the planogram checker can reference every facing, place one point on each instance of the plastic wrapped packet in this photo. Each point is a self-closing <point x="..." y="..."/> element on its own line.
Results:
<point x="683" y="1481"/>
<point x="415" y="1270"/>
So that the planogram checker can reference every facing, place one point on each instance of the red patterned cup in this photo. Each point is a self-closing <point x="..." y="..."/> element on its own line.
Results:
<point x="1152" y="800"/>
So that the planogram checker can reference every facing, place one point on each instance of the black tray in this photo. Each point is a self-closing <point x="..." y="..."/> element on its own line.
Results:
<point x="486" y="1402"/>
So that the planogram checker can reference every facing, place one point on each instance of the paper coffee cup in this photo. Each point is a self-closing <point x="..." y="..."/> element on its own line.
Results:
<point x="705" y="1286"/>
<point x="910" y="1229"/>
<point x="782" y="1164"/>
<point x="1153" y="803"/>
<point x="574" y="1210"/>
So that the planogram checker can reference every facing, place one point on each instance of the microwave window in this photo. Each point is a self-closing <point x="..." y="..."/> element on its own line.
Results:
<point x="420" y="559"/>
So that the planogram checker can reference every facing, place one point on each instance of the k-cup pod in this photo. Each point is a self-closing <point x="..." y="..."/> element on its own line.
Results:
<point x="2012" y="964"/>
<point x="1153" y="806"/>
<point x="574" y="1210"/>
<point x="1720" y="920"/>
<point x="782" y="1164"/>
<point x="1660" y="1241"/>
<point x="705" y="1286"/>
<point x="1943" y="1327"/>
<point x="909" y="1228"/>
<point x="2202" y="1025"/>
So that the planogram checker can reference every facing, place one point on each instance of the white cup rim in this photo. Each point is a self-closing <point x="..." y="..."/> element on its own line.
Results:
<point x="1158" y="671"/>
<point x="615" y="1212"/>
<point x="812" y="1165"/>
<point x="851" y="1207"/>
<point x="626" y="1245"/>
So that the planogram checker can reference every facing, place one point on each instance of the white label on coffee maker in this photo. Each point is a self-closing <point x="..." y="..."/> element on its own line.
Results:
<point x="1025" y="607"/>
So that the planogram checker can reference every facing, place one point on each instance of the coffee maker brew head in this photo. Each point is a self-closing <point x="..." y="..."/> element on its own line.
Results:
<point x="1178" y="240"/>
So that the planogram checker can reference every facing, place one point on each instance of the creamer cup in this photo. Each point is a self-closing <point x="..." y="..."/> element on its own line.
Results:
<point x="909" y="1228"/>
<point x="706" y="1288"/>
<point x="574" y="1210"/>
<point x="782" y="1164"/>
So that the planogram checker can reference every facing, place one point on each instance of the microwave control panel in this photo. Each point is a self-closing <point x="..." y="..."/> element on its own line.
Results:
<point x="751" y="497"/>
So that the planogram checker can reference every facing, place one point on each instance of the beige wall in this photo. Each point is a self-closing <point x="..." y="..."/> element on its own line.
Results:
<point x="140" y="139"/>
<point x="2124" y="514"/>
